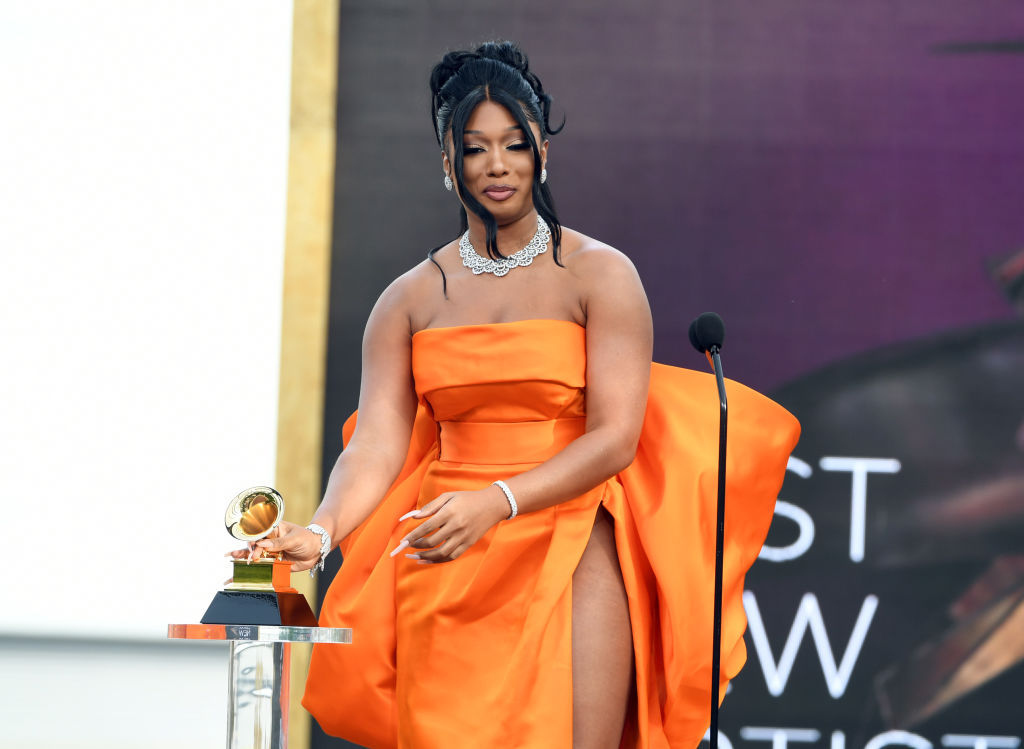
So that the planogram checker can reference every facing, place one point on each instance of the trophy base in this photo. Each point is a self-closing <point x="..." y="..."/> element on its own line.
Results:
<point x="274" y="608"/>
<point x="260" y="593"/>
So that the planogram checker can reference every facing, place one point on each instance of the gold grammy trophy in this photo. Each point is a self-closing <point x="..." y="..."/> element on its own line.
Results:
<point x="260" y="615"/>
<point x="260" y="592"/>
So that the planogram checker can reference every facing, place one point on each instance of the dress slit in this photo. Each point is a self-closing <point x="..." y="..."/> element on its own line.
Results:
<point x="629" y="709"/>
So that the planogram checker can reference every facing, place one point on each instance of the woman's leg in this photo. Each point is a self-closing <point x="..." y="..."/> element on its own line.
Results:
<point x="602" y="643"/>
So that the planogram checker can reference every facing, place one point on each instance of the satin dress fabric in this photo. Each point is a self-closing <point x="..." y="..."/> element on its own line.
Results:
<point x="478" y="651"/>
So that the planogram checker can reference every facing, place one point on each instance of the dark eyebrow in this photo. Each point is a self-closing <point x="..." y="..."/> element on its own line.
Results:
<point x="481" y="132"/>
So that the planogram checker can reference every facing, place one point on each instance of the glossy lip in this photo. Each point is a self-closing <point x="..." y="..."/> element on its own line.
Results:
<point x="506" y="191"/>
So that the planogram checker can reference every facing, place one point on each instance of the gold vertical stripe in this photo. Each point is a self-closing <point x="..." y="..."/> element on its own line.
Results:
<point x="306" y="286"/>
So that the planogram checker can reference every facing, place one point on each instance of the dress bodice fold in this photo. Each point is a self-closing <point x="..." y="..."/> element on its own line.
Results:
<point x="504" y="399"/>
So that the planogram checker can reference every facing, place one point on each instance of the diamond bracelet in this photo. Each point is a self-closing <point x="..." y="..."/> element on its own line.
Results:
<point x="510" y="497"/>
<point x="325" y="546"/>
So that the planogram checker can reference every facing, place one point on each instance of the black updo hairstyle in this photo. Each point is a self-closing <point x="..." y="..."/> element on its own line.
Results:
<point x="498" y="72"/>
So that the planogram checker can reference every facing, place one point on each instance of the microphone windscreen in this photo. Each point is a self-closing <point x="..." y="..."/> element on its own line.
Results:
<point x="707" y="331"/>
<point x="693" y="337"/>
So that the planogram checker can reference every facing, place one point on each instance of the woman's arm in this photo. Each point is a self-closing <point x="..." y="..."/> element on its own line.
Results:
<point x="619" y="344"/>
<point x="377" y="450"/>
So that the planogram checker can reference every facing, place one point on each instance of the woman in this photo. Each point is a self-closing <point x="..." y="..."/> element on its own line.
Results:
<point x="515" y="574"/>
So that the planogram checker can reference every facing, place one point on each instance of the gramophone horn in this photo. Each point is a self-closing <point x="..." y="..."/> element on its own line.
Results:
<point x="254" y="513"/>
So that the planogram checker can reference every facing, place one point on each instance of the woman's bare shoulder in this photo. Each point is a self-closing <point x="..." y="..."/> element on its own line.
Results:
<point x="412" y="294"/>
<point x="611" y="292"/>
<point x="593" y="260"/>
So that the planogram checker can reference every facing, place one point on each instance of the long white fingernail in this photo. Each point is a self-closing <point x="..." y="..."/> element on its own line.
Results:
<point x="405" y="542"/>
<point x="408" y="515"/>
<point x="412" y="556"/>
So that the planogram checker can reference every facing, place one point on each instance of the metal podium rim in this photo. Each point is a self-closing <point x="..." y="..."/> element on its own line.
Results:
<point x="259" y="633"/>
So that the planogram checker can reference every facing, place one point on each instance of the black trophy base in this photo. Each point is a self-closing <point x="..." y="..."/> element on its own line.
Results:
<point x="273" y="608"/>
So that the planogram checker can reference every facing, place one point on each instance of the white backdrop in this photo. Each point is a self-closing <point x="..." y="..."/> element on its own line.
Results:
<point x="143" y="163"/>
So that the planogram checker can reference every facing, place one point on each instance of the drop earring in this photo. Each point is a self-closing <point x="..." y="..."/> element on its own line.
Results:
<point x="448" y="183"/>
<point x="543" y="176"/>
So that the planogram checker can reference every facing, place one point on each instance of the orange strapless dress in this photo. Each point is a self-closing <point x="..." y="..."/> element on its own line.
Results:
<point x="477" y="652"/>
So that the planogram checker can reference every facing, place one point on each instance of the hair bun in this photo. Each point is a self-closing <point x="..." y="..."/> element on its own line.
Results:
<point x="506" y="52"/>
<point x="449" y="67"/>
<point x="447" y="73"/>
<point x="510" y="54"/>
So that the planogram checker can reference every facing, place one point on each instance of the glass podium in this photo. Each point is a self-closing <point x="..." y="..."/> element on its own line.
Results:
<point x="258" y="675"/>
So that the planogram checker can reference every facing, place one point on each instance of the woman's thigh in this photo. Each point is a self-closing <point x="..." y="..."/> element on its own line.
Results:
<point x="602" y="643"/>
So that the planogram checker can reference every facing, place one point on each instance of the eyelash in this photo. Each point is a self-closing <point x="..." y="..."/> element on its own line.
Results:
<point x="469" y="150"/>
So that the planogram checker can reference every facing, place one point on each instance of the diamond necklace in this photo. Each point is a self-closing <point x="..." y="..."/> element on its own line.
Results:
<point x="480" y="264"/>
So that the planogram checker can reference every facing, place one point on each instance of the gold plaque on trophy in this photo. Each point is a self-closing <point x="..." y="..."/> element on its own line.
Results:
<point x="259" y="591"/>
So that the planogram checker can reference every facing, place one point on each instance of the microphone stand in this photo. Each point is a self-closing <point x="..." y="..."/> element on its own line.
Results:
<point x="716" y="655"/>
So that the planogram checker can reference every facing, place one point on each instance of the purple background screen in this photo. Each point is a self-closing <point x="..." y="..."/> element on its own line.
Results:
<point x="837" y="180"/>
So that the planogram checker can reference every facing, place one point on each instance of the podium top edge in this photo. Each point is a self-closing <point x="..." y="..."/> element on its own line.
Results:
<point x="259" y="633"/>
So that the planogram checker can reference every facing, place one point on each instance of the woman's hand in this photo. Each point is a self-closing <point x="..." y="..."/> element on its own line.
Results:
<point x="455" y="521"/>
<point x="298" y="545"/>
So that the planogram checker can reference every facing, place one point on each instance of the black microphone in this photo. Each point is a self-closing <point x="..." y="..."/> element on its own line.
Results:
<point x="707" y="332"/>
